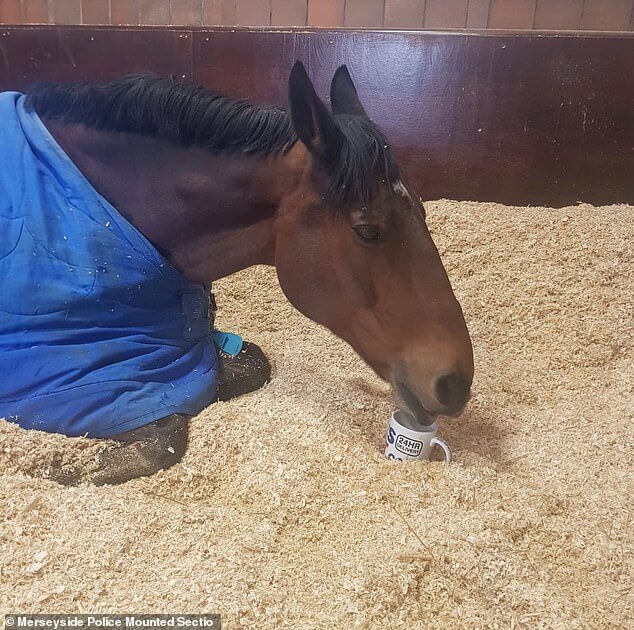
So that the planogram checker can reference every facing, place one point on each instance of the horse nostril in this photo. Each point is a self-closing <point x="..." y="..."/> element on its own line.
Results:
<point x="452" y="390"/>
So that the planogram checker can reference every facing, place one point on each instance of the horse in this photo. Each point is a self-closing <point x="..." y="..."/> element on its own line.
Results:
<point x="217" y="185"/>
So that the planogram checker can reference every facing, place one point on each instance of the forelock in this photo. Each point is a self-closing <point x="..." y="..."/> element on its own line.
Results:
<point x="365" y="165"/>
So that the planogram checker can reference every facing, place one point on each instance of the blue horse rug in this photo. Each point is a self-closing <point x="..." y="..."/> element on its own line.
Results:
<point x="99" y="334"/>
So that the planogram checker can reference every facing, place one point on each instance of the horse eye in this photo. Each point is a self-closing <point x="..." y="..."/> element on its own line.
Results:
<point x="367" y="233"/>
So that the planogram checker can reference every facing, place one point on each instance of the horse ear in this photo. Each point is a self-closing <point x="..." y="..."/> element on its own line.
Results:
<point x="343" y="95"/>
<point x="312" y="121"/>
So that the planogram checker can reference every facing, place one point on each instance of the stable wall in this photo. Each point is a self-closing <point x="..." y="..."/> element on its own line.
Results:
<point x="540" y="119"/>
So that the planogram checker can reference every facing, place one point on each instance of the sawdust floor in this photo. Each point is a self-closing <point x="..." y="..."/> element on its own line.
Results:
<point x="284" y="512"/>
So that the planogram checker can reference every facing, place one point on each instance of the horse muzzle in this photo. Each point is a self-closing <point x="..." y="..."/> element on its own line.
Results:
<point x="448" y="396"/>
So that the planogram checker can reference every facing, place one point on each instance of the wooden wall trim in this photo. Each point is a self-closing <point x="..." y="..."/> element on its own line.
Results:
<point x="608" y="15"/>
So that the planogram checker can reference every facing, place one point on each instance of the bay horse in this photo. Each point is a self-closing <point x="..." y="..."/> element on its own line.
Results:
<point x="217" y="185"/>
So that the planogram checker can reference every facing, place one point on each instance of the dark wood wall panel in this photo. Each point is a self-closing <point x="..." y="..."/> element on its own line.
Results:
<point x="519" y="119"/>
<point x="42" y="53"/>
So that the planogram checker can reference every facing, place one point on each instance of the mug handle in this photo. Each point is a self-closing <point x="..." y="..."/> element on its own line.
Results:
<point x="443" y="445"/>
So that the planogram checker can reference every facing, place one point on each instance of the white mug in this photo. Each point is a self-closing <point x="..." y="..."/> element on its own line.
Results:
<point x="404" y="443"/>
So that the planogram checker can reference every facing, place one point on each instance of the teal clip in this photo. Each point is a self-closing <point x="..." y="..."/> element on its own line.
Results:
<point x="228" y="342"/>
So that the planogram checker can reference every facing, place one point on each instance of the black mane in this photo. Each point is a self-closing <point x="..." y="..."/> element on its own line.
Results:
<point x="191" y="115"/>
<point x="186" y="114"/>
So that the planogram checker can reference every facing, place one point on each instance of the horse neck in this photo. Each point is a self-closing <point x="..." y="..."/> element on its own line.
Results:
<point x="209" y="215"/>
